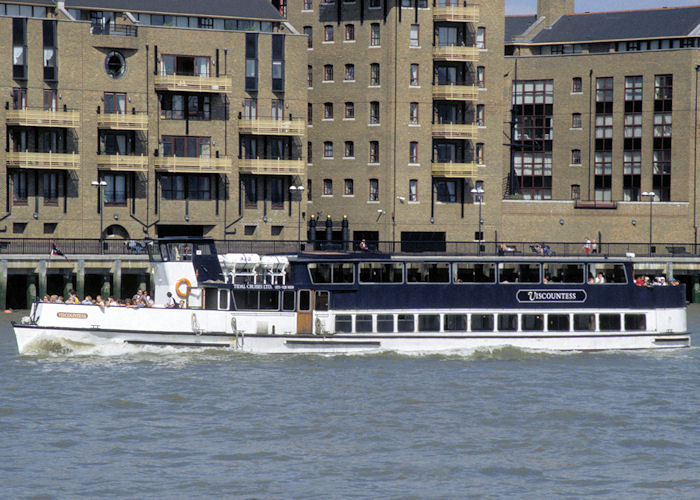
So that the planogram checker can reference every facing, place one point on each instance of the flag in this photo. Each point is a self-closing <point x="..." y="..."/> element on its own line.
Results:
<point x="57" y="251"/>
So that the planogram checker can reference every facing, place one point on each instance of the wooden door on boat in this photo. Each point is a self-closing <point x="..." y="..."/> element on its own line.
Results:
<point x="305" y="311"/>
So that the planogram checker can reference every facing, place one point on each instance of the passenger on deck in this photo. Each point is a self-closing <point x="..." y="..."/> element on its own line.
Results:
<point x="363" y="246"/>
<point x="87" y="300"/>
<point x="182" y="305"/>
<point x="170" y="301"/>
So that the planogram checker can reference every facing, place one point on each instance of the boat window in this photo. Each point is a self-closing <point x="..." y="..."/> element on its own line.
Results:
<point x="332" y="273"/>
<point x="532" y="322"/>
<point x="363" y="323"/>
<point x="557" y="272"/>
<point x="270" y="300"/>
<point x="176" y="252"/>
<point x="472" y="272"/>
<point x="320" y="273"/>
<point x="507" y="322"/>
<point x="482" y="322"/>
<point x="385" y="323"/>
<point x="558" y="322"/>
<point x="635" y="322"/>
<point x="428" y="322"/>
<point x="381" y="272"/>
<point x="154" y="252"/>
<point x="245" y="299"/>
<point x="321" y="303"/>
<point x="584" y="322"/>
<point x="203" y="249"/>
<point x="210" y="298"/>
<point x="304" y="300"/>
<point x="288" y="300"/>
<point x="455" y="322"/>
<point x="513" y="272"/>
<point x="343" y="323"/>
<point x="427" y="272"/>
<point x="223" y="299"/>
<point x="405" y="322"/>
<point x="609" y="322"/>
<point x="611" y="273"/>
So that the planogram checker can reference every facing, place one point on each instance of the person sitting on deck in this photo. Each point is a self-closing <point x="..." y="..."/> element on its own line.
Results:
<point x="363" y="246"/>
<point x="170" y="301"/>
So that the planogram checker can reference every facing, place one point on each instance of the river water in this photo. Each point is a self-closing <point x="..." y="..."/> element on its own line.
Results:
<point x="129" y="422"/>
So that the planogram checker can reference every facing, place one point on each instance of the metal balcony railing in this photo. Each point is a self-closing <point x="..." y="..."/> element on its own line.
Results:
<point x="43" y="118"/>
<point x="191" y="83"/>
<point x="125" y="163"/>
<point x="60" y="161"/>
<point x="261" y="166"/>
<point x="454" y="169"/>
<point x="123" y="121"/>
<point x="271" y="126"/>
<point x="194" y="165"/>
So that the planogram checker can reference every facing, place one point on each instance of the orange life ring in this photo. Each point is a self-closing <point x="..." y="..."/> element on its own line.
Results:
<point x="179" y="284"/>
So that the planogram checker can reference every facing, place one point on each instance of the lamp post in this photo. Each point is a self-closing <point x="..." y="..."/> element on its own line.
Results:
<point x="300" y="190"/>
<point x="479" y="193"/>
<point x="100" y="185"/>
<point x="651" y="195"/>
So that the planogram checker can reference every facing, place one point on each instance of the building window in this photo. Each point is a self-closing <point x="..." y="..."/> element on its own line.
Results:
<point x="49" y="181"/>
<point x="575" y="156"/>
<point x="185" y="146"/>
<point x="374" y="40"/>
<point x="328" y="111"/>
<point x="633" y="126"/>
<point x="576" y="85"/>
<point x="328" y="149"/>
<point x="480" y="76"/>
<point x="308" y="5"/>
<point x="278" y="63"/>
<point x="633" y="92"/>
<point x="413" y="152"/>
<point x="115" y="190"/>
<point x="19" y="188"/>
<point x="308" y="31"/>
<point x="374" y="112"/>
<point x="576" y="120"/>
<point x="50" y="99"/>
<point x="309" y="152"/>
<point x="414" y="81"/>
<point x="250" y="108"/>
<point x="480" y="116"/>
<point x="310" y="76"/>
<point x="349" y="111"/>
<point x="374" y="190"/>
<point x="374" y="74"/>
<point x="250" y="190"/>
<point x="349" y="149"/>
<point x="19" y="48"/>
<point x="328" y="73"/>
<point x="328" y="33"/>
<point x="662" y="124"/>
<point x="349" y="72"/>
<point x="663" y="87"/>
<point x="349" y="32"/>
<point x="115" y="65"/>
<point x="631" y="175"/>
<point x="375" y="4"/>
<point x="115" y="102"/>
<point x="251" y="62"/>
<point x="481" y="37"/>
<point x="479" y="153"/>
<point x="50" y="63"/>
<point x="19" y="98"/>
<point x="413" y="113"/>
<point x="413" y="190"/>
<point x="277" y="109"/>
<point x="309" y="113"/>
<point x="575" y="192"/>
<point x="373" y="151"/>
<point x="414" y="38"/>
<point x="445" y="191"/>
<point x="327" y="187"/>
<point x="349" y="187"/>
<point x="309" y="196"/>
<point x="183" y="107"/>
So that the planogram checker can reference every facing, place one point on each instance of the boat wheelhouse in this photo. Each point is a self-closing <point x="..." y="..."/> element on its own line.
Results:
<point x="348" y="302"/>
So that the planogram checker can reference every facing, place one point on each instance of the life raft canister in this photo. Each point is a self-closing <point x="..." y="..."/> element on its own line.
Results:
<point x="178" y="287"/>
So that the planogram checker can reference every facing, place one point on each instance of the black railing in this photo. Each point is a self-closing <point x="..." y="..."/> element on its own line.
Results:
<point x="114" y="29"/>
<point x="72" y="247"/>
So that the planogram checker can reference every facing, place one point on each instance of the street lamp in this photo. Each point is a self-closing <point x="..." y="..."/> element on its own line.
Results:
<point x="300" y="190"/>
<point x="100" y="185"/>
<point x="479" y="193"/>
<point x="651" y="195"/>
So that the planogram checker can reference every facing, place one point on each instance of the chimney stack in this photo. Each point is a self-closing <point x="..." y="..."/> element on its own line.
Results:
<point x="552" y="10"/>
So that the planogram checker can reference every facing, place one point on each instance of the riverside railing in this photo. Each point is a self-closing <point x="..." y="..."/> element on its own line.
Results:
<point x="72" y="247"/>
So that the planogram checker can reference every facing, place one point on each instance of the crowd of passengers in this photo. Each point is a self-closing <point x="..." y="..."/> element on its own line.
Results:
<point x="140" y="299"/>
<point x="658" y="281"/>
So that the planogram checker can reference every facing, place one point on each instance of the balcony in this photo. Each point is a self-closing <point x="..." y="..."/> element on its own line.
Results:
<point x="270" y="126"/>
<point x="43" y="118"/>
<point x="456" y="92"/>
<point x="123" y="121"/>
<point x="58" y="161"/>
<point x="260" y="166"/>
<point x="454" y="169"/>
<point x="189" y="83"/>
<point x="455" y="53"/>
<point x="194" y="165"/>
<point x="123" y="163"/>
<point x="456" y="13"/>
<point x="454" y="130"/>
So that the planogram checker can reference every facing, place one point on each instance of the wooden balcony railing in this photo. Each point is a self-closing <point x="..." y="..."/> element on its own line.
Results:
<point x="59" y="161"/>
<point x="123" y="121"/>
<point x="456" y="92"/>
<point x="125" y="163"/>
<point x="43" y="118"/>
<point x="269" y="126"/>
<point x="454" y="130"/>
<point x="190" y="83"/>
<point x="454" y="169"/>
<point x="457" y="13"/>
<point x="194" y="165"/>
<point x="259" y="166"/>
<point x="455" y="53"/>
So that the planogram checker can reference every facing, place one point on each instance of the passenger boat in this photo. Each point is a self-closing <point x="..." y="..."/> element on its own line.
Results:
<point x="345" y="302"/>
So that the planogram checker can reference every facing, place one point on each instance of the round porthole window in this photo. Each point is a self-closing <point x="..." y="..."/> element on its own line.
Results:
<point x="115" y="65"/>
